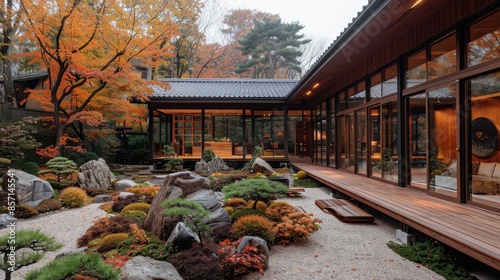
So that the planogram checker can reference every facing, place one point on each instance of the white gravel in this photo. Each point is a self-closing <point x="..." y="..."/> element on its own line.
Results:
<point x="66" y="226"/>
<point x="337" y="251"/>
<point x="341" y="250"/>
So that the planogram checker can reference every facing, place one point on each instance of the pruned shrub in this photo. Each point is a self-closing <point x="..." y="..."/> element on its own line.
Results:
<point x="135" y="215"/>
<point x="245" y="212"/>
<point x="138" y="206"/>
<point x="103" y="227"/>
<point x="279" y="209"/>
<point x="236" y="202"/>
<point x="254" y="225"/>
<point x="222" y="233"/>
<point x="89" y="265"/>
<point x="73" y="197"/>
<point x="235" y="264"/>
<point x="144" y="190"/>
<point x="120" y="204"/>
<point x="48" y="205"/>
<point x="229" y="210"/>
<point x="295" y="226"/>
<point x="208" y="155"/>
<point x="24" y="211"/>
<point x="260" y="205"/>
<point x="301" y="175"/>
<point x="31" y="168"/>
<point x="198" y="262"/>
<point x="111" y="241"/>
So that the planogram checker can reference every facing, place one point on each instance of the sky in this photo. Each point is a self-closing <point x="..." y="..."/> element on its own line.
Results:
<point x="320" y="18"/>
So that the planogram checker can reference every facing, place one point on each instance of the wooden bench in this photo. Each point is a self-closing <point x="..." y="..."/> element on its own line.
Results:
<point x="344" y="210"/>
<point x="295" y="191"/>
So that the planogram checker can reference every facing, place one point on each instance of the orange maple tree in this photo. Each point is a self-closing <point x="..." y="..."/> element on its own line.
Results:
<point x="89" y="49"/>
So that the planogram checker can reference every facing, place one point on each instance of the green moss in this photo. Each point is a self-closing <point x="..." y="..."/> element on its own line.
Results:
<point x="90" y="265"/>
<point x="139" y="206"/>
<point x="436" y="256"/>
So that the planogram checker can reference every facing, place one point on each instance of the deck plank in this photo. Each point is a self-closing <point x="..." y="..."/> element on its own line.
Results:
<point x="473" y="231"/>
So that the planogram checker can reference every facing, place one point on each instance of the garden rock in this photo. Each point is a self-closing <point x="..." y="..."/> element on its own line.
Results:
<point x="6" y="220"/>
<point x="215" y="165"/>
<point x="187" y="182"/>
<point x="206" y="198"/>
<point x="262" y="166"/>
<point x="182" y="234"/>
<point x="219" y="218"/>
<point x="95" y="174"/>
<point x="261" y="245"/>
<point x="124" y="195"/>
<point x="146" y="268"/>
<point x="72" y="252"/>
<point x="30" y="190"/>
<point x="124" y="184"/>
<point x="101" y="198"/>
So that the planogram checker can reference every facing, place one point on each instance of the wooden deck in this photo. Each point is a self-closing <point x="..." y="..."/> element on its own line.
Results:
<point x="473" y="231"/>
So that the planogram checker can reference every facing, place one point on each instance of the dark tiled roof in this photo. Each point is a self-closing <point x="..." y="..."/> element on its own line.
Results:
<point x="225" y="88"/>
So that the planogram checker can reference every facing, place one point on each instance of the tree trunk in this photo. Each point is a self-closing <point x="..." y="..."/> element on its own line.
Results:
<point x="10" y="93"/>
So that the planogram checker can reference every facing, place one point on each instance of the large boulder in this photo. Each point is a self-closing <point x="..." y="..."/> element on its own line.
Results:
<point x="95" y="174"/>
<point x="7" y="220"/>
<point x="260" y="165"/>
<point x="30" y="190"/>
<point x="206" y="198"/>
<point x="146" y="268"/>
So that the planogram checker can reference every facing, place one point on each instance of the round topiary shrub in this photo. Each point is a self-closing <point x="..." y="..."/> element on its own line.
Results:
<point x="91" y="156"/>
<point x="31" y="168"/>
<point x="208" y="155"/>
<point x="246" y="211"/>
<point x="111" y="241"/>
<point x="301" y="175"/>
<point x="254" y="225"/>
<point x="229" y="210"/>
<point x="135" y="215"/>
<point x="48" y="205"/>
<point x="139" y="206"/>
<point x="279" y="209"/>
<point x="260" y="205"/>
<point x="24" y="211"/>
<point x="236" y="202"/>
<point x="73" y="197"/>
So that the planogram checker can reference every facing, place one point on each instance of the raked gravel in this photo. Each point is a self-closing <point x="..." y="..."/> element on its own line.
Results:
<point x="337" y="251"/>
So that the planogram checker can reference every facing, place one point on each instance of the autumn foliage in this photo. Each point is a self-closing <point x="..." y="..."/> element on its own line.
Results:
<point x="89" y="49"/>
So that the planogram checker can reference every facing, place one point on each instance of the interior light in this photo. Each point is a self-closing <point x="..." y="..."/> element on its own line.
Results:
<point x="316" y="85"/>
<point x="308" y="92"/>
<point x="416" y="3"/>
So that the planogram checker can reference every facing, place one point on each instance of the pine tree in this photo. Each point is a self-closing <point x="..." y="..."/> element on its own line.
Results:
<point x="273" y="50"/>
<point x="62" y="168"/>
<point x="33" y="240"/>
<point x="255" y="189"/>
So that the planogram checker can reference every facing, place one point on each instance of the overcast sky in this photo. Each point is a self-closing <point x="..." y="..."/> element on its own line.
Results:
<point x="320" y="18"/>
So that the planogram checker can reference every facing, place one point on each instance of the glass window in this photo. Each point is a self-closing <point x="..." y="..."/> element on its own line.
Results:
<point x="361" y="149"/>
<point x="389" y="141"/>
<point x="332" y="141"/>
<point x="485" y="117"/>
<point x="376" y="86"/>
<point x="355" y="97"/>
<point x="375" y="155"/>
<point x="484" y="42"/>
<point x="442" y="140"/>
<point x="443" y="58"/>
<point x="390" y="83"/>
<point x="418" y="141"/>
<point x="417" y="69"/>
<point x="342" y="102"/>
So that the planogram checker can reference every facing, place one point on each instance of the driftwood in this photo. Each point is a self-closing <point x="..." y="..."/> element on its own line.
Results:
<point x="175" y="185"/>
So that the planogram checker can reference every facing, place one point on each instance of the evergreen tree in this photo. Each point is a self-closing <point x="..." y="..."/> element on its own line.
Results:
<point x="273" y="50"/>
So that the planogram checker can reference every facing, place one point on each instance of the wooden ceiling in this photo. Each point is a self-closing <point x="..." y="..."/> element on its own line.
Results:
<point x="380" y="34"/>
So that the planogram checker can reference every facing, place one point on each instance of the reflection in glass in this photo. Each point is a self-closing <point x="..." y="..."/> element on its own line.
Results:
<point x="418" y="141"/>
<point x="442" y="165"/>
<point x="361" y="141"/>
<point x="484" y="172"/>
<point x="484" y="42"/>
